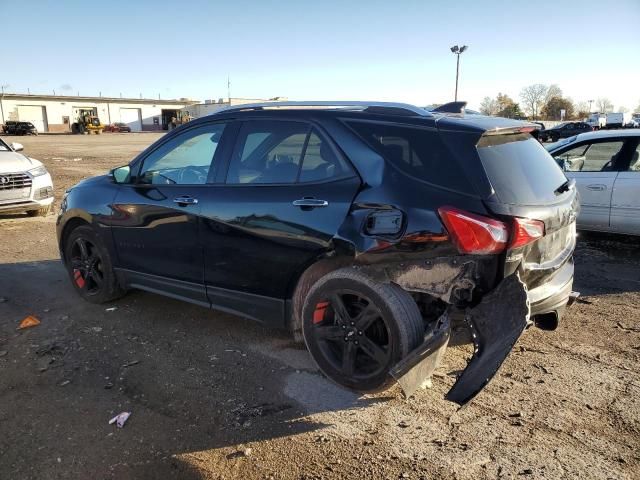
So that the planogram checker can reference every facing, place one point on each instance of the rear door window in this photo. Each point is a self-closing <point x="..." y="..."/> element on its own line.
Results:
<point x="320" y="162"/>
<point x="417" y="152"/>
<point x="283" y="152"/>
<point x="268" y="152"/>
<point x="520" y="170"/>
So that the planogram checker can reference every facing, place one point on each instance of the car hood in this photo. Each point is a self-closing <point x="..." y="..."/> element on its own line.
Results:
<point x="88" y="182"/>
<point x="12" y="162"/>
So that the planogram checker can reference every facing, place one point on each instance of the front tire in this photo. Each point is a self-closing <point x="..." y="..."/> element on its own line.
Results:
<point x="89" y="267"/>
<point x="357" y="329"/>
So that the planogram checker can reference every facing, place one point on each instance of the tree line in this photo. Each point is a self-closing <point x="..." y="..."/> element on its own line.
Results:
<point x="545" y="102"/>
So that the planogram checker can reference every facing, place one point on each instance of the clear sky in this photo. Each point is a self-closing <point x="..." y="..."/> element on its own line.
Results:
<point x="349" y="49"/>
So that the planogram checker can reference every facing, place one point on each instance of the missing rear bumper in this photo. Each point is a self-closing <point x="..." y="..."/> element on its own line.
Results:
<point x="416" y="369"/>
<point x="495" y="323"/>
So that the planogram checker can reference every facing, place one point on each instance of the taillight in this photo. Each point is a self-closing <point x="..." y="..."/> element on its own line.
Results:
<point x="474" y="234"/>
<point x="526" y="231"/>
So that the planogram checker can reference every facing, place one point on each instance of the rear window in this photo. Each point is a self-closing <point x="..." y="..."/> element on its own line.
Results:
<point x="520" y="170"/>
<point x="417" y="152"/>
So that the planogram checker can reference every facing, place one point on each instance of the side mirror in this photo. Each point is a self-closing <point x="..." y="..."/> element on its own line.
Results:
<point x="121" y="174"/>
<point x="18" y="147"/>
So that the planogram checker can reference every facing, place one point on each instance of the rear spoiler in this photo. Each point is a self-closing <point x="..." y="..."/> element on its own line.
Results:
<point x="524" y="128"/>
<point x="451" y="107"/>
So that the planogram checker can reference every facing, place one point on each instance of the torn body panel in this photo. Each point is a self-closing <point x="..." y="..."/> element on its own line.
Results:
<point x="450" y="279"/>
<point x="495" y="323"/>
<point x="417" y="368"/>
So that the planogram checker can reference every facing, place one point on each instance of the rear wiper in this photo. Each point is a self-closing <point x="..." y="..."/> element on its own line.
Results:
<point x="565" y="187"/>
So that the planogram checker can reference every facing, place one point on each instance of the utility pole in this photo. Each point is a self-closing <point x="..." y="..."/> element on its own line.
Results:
<point x="229" y="89"/>
<point x="457" y="51"/>
<point x="590" y="102"/>
<point x="2" y="87"/>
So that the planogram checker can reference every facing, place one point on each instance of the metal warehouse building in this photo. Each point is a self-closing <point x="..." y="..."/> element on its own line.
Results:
<point x="51" y="113"/>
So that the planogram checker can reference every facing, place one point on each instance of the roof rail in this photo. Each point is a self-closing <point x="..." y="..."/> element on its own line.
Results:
<point x="451" y="107"/>
<point x="374" y="107"/>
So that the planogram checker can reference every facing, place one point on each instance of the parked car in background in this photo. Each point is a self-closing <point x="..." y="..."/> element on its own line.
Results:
<point x="606" y="168"/>
<point x="25" y="184"/>
<point x="368" y="228"/>
<point x="118" y="127"/>
<point x="19" y="128"/>
<point x="564" y="130"/>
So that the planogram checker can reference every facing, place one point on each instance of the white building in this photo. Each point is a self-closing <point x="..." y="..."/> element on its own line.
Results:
<point x="51" y="113"/>
<point x="210" y="106"/>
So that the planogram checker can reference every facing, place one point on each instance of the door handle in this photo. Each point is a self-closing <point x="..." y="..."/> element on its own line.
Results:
<point x="185" y="200"/>
<point x="308" y="203"/>
<point x="598" y="187"/>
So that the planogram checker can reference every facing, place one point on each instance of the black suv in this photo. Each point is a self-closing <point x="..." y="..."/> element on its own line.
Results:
<point x="368" y="229"/>
<point x="19" y="128"/>
<point x="564" y="130"/>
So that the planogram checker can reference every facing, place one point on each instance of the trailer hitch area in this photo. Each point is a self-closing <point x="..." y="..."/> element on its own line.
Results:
<point x="415" y="370"/>
<point x="496" y="323"/>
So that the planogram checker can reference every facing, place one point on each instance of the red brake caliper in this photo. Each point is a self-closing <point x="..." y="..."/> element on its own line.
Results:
<point x="318" y="313"/>
<point x="77" y="276"/>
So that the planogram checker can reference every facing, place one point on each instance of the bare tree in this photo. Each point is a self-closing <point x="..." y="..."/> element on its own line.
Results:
<point x="489" y="106"/>
<point x="554" y="91"/>
<point x="604" y="105"/>
<point x="533" y="98"/>
<point x="581" y="110"/>
<point x="622" y="109"/>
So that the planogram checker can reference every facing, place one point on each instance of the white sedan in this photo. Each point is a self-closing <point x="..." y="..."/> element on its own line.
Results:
<point x="25" y="184"/>
<point x="606" y="168"/>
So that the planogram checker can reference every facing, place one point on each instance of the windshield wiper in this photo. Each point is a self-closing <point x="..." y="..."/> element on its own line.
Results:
<point x="565" y="187"/>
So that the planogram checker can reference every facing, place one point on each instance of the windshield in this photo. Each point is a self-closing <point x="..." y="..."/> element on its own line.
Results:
<point x="561" y="125"/>
<point x="520" y="170"/>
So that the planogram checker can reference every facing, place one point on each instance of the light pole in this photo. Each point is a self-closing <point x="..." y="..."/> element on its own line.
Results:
<point x="2" y="87"/>
<point x="458" y="51"/>
<point x="590" y="102"/>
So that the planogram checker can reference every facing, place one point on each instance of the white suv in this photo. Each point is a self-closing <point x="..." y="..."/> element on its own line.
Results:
<point x="25" y="184"/>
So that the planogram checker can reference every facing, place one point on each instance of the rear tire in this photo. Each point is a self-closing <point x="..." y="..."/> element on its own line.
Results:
<point x="41" y="212"/>
<point x="89" y="266"/>
<point x="357" y="329"/>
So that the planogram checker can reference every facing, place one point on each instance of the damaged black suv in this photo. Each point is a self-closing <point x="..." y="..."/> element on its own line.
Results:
<point x="368" y="229"/>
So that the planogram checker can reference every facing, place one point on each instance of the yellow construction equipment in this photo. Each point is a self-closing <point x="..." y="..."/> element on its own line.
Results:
<point x="87" y="122"/>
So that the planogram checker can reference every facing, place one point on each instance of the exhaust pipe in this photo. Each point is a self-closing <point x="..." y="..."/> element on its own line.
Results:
<point x="546" y="321"/>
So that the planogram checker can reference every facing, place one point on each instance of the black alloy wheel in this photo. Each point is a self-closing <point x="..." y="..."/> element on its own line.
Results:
<point x="89" y="266"/>
<point x="86" y="265"/>
<point x="357" y="329"/>
<point x="351" y="334"/>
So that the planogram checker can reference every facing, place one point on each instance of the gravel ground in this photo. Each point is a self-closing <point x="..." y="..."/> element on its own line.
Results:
<point x="215" y="396"/>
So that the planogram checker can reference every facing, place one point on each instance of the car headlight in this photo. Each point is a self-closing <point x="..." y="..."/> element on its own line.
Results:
<point x="36" y="172"/>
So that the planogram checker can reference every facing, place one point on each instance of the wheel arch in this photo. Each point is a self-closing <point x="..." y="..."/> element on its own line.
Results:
<point x="302" y="283"/>
<point x="69" y="226"/>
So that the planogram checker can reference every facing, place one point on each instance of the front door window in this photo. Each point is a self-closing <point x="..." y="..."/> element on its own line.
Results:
<point x="186" y="160"/>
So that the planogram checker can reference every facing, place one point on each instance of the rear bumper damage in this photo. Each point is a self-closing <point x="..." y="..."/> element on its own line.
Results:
<point x="495" y="323"/>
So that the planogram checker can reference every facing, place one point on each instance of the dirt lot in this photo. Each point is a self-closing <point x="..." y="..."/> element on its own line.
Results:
<point x="216" y="396"/>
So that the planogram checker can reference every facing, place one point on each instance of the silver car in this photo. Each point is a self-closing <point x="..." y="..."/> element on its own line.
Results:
<point x="606" y="168"/>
